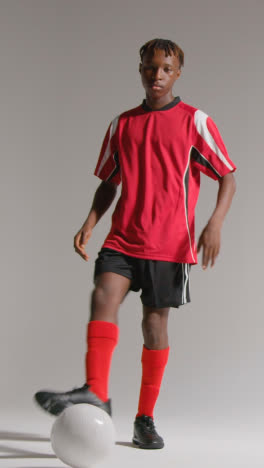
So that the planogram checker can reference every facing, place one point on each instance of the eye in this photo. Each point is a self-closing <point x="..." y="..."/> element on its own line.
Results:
<point x="167" y="69"/>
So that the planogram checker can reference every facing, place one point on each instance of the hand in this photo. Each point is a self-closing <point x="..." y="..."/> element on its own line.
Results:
<point x="209" y="240"/>
<point x="81" y="239"/>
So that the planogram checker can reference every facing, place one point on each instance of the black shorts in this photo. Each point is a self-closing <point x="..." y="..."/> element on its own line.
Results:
<point x="163" y="284"/>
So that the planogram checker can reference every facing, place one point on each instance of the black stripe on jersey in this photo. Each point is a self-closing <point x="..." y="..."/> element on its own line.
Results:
<point x="201" y="160"/>
<point x="186" y="184"/>
<point x="117" y="168"/>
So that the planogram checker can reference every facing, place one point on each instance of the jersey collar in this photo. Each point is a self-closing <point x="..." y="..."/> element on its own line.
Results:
<point x="164" y="108"/>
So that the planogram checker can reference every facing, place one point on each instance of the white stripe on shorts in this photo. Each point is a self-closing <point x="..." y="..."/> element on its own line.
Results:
<point x="185" y="277"/>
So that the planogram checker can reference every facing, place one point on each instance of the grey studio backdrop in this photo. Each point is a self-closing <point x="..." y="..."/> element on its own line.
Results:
<point x="68" y="68"/>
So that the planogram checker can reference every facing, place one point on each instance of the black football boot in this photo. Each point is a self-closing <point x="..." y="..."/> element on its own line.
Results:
<point x="145" y="435"/>
<point x="55" y="402"/>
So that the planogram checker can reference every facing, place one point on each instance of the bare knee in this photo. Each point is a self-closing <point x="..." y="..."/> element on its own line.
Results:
<point x="104" y="296"/>
<point x="154" y="327"/>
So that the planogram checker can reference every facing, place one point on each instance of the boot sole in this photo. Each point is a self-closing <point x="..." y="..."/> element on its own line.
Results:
<point x="56" y="408"/>
<point x="147" y="446"/>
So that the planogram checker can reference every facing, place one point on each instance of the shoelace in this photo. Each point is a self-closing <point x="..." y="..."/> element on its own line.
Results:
<point x="149" y="423"/>
<point x="77" y="389"/>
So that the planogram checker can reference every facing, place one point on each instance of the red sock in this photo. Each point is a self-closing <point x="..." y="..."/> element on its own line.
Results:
<point x="153" y="366"/>
<point x="102" y="338"/>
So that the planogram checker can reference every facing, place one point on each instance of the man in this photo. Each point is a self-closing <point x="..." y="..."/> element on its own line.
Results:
<point x="157" y="150"/>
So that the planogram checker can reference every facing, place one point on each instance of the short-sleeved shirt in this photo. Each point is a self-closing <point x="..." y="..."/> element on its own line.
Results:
<point x="158" y="156"/>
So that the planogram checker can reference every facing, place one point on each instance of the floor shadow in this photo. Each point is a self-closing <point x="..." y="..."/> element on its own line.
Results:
<point x="4" y="435"/>
<point x="126" y="444"/>
<point x="12" y="452"/>
<point x="7" y="452"/>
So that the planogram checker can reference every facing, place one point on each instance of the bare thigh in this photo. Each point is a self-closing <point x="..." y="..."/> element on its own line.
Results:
<point x="110" y="290"/>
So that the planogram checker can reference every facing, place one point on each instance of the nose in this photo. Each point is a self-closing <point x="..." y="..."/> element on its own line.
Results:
<point x="157" y="73"/>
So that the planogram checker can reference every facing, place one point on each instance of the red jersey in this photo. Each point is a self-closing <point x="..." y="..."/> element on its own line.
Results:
<point x="158" y="156"/>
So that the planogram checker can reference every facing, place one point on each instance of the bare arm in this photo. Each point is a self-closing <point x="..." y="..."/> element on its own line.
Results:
<point x="103" y="198"/>
<point x="210" y="238"/>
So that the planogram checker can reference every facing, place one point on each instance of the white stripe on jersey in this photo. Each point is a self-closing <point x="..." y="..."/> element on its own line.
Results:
<point x="185" y="207"/>
<point x="108" y="149"/>
<point x="200" y="122"/>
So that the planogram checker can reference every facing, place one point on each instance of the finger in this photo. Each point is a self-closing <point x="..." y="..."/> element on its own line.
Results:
<point x="85" y="236"/>
<point x="214" y="255"/>
<point x="205" y="258"/>
<point x="80" y="249"/>
<point x="80" y="241"/>
<point x="211" y="256"/>
<point x="207" y="255"/>
<point x="76" y="242"/>
<point x="82" y="253"/>
<point x="213" y="259"/>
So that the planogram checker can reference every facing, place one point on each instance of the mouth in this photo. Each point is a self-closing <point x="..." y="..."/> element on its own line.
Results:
<point x="155" y="86"/>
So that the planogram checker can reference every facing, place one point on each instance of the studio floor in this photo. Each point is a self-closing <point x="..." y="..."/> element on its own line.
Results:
<point x="25" y="443"/>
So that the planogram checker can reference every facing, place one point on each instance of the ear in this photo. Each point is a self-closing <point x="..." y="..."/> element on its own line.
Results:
<point x="140" y="68"/>
<point x="178" y="74"/>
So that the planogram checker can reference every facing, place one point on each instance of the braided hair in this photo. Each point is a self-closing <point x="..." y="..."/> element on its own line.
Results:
<point x="162" y="44"/>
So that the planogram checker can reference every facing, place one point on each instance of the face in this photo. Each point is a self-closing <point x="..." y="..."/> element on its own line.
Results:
<point x="159" y="73"/>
